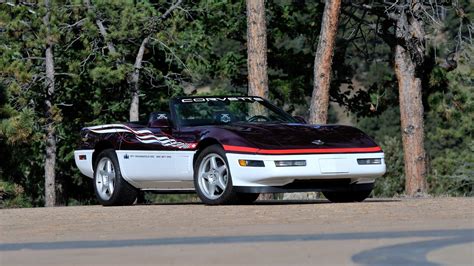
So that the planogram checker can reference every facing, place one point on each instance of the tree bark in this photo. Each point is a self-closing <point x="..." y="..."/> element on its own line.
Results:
<point x="102" y="29"/>
<point x="257" y="48"/>
<point x="318" y="112"/>
<point x="408" y="54"/>
<point x="134" y="105"/>
<point x="50" y="160"/>
<point x="257" y="59"/>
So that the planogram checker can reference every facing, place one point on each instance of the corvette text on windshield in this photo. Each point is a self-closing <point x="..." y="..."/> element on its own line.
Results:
<point x="221" y="99"/>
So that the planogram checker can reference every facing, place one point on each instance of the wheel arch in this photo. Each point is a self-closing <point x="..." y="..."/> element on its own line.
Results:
<point x="204" y="144"/>
<point x="99" y="147"/>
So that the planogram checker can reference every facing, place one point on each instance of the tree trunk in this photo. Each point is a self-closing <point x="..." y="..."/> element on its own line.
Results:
<point x="134" y="114"/>
<point x="318" y="112"/>
<point x="257" y="59"/>
<point x="102" y="29"/>
<point x="407" y="61"/>
<point x="257" y="48"/>
<point x="50" y="160"/>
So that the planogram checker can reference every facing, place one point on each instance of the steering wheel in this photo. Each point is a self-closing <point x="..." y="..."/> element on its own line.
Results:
<point x="256" y="118"/>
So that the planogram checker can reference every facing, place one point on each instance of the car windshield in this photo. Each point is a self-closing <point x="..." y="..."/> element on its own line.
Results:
<point x="226" y="110"/>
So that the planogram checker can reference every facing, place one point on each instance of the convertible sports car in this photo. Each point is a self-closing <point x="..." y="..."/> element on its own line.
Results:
<point x="227" y="150"/>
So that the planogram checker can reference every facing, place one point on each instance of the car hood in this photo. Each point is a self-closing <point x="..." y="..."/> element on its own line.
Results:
<point x="300" y="136"/>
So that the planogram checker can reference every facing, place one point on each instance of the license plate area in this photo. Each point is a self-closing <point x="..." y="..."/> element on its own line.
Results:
<point x="334" y="166"/>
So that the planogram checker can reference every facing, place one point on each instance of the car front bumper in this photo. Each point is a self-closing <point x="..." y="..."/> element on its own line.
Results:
<point x="318" y="167"/>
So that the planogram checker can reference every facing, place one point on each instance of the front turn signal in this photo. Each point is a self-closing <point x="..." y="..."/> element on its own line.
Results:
<point x="251" y="163"/>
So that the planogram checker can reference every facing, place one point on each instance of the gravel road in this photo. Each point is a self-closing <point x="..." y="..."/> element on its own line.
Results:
<point x="436" y="231"/>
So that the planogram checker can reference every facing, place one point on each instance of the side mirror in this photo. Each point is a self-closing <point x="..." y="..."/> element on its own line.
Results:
<point x="300" y="119"/>
<point x="159" y="120"/>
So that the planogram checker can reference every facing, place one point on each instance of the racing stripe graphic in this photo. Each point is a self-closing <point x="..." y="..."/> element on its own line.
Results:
<point x="301" y="151"/>
<point x="144" y="136"/>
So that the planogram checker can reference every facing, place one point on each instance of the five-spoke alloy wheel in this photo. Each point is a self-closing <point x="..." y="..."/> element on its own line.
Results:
<point x="110" y="187"/>
<point x="212" y="178"/>
<point x="105" y="178"/>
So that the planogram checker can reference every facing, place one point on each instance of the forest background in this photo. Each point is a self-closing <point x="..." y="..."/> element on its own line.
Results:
<point x="200" y="47"/>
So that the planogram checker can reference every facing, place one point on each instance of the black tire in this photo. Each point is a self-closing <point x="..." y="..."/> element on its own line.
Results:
<point x="247" y="198"/>
<point x="227" y="195"/>
<point x="122" y="193"/>
<point x="347" y="196"/>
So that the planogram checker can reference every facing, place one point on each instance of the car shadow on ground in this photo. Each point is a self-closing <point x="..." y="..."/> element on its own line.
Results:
<point x="316" y="201"/>
<point x="277" y="202"/>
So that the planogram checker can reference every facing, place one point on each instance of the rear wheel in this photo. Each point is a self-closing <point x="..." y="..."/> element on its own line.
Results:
<point x="348" y="195"/>
<point x="109" y="186"/>
<point x="212" y="178"/>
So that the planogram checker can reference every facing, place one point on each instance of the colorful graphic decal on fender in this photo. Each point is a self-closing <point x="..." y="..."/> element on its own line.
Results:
<point x="144" y="136"/>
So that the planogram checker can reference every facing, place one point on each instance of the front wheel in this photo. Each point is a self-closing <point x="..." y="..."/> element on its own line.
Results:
<point x="212" y="178"/>
<point x="110" y="187"/>
<point x="347" y="196"/>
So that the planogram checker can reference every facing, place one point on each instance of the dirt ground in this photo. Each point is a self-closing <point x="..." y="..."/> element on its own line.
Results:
<point x="378" y="231"/>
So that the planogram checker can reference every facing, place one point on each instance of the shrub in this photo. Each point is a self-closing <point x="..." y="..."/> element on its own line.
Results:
<point x="13" y="196"/>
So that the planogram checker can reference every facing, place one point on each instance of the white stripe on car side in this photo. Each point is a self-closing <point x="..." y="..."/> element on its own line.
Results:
<point x="143" y="167"/>
<point x="147" y="169"/>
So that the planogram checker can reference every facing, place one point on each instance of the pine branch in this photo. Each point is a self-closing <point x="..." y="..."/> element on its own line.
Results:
<point x="171" y="9"/>
<point x="102" y="28"/>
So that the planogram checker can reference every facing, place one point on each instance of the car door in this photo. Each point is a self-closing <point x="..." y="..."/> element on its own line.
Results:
<point x="153" y="154"/>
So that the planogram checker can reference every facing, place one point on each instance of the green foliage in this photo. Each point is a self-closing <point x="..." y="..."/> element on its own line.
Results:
<point x="292" y="32"/>
<point x="449" y="139"/>
<point x="92" y="85"/>
<point x="385" y="129"/>
<point x="393" y="182"/>
<point x="449" y="133"/>
<point x="201" y="49"/>
<point x="19" y="128"/>
<point x="447" y="99"/>
<point x="13" y="196"/>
